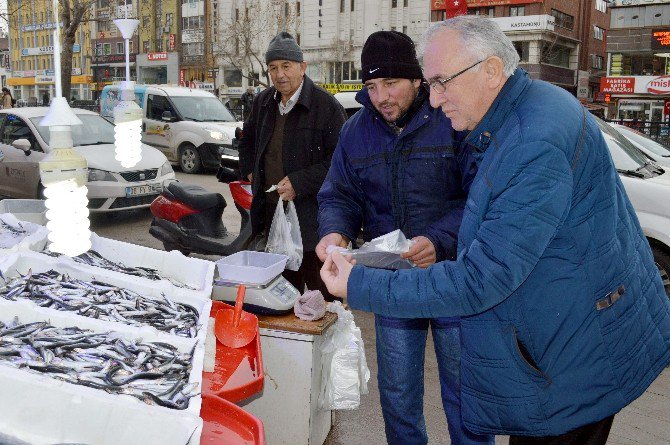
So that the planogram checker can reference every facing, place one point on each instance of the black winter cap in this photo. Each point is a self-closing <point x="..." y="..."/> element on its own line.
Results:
<point x="389" y="54"/>
<point x="283" y="47"/>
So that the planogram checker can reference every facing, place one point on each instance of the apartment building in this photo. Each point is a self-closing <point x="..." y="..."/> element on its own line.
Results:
<point x="157" y="59"/>
<point x="638" y="60"/>
<point x="31" y="28"/>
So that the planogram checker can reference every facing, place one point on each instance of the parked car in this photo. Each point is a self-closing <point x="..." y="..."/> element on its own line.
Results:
<point x="348" y="100"/>
<point x="659" y="153"/>
<point x="190" y="126"/>
<point x="111" y="187"/>
<point x="648" y="187"/>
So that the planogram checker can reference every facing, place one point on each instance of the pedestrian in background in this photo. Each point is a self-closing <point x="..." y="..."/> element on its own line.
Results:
<point x="45" y="99"/>
<point x="288" y="141"/>
<point x="247" y="99"/>
<point x="7" y="99"/>
<point x="420" y="189"/>
<point x="565" y="318"/>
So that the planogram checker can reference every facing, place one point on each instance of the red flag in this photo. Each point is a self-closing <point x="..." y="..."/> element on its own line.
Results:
<point x="455" y="7"/>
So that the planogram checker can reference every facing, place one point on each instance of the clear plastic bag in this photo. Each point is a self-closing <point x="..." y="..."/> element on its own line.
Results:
<point x="344" y="373"/>
<point x="284" y="237"/>
<point x="382" y="252"/>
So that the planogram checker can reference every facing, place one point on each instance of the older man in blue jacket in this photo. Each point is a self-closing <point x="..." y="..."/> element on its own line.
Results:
<point x="396" y="166"/>
<point x="565" y="319"/>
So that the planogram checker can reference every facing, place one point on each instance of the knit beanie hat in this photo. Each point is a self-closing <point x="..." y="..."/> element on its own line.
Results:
<point x="389" y="54"/>
<point x="283" y="47"/>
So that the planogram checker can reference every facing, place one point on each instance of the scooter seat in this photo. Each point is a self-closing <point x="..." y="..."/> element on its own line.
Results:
<point x="196" y="196"/>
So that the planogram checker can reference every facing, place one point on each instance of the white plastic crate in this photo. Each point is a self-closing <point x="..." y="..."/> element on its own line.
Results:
<point x="71" y="413"/>
<point x="251" y="267"/>
<point x="196" y="273"/>
<point x="35" y="238"/>
<point x="31" y="210"/>
<point x="21" y="262"/>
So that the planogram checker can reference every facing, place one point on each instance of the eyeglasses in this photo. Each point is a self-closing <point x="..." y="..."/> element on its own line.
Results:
<point x="440" y="85"/>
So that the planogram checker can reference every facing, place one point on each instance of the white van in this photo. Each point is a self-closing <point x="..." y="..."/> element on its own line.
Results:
<point x="190" y="126"/>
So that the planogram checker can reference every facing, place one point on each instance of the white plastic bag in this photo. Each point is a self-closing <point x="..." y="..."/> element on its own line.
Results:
<point x="284" y="237"/>
<point x="344" y="373"/>
<point x="382" y="252"/>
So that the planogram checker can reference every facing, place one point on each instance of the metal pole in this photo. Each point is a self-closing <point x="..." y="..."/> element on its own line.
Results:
<point x="59" y="87"/>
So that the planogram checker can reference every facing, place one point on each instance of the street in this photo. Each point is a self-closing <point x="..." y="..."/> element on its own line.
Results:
<point x="645" y="422"/>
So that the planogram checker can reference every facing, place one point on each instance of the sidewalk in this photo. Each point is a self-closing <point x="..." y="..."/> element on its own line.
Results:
<point x="645" y="422"/>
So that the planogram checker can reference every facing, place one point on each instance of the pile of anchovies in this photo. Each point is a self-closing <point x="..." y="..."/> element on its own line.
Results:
<point x="156" y="373"/>
<point x="96" y="299"/>
<point x="11" y="234"/>
<point x="93" y="258"/>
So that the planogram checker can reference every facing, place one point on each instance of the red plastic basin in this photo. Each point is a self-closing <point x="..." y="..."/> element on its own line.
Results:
<point x="227" y="423"/>
<point x="238" y="373"/>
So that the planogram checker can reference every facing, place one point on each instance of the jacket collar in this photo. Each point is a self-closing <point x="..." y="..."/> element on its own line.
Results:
<point x="305" y="98"/>
<point x="502" y="106"/>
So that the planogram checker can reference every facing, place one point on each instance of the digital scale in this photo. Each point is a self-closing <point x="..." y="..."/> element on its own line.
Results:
<point x="274" y="297"/>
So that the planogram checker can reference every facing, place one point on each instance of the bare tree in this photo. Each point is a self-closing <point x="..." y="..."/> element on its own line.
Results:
<point x="72" y="14"/>
<point x="242" y="38"/>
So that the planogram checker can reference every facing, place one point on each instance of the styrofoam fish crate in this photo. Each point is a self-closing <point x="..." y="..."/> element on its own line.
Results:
<point x="194" y="272"/>
<point x="35" y="240"/>
<point x="44" y="410"/>
<point x="31" y="210"/>
<point x="21" y="262"/>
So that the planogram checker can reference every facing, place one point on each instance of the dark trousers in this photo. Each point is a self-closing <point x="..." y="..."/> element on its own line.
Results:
<point x="591" y="434"/>
<point x="309" y="274"/>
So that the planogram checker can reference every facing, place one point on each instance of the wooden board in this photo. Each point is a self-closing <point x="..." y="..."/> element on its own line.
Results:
<point x="291" y="323"/>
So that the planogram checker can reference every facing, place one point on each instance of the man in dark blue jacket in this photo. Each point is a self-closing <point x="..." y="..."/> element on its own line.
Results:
<point x="396" y="167"/>
<point x="565" y="318"/>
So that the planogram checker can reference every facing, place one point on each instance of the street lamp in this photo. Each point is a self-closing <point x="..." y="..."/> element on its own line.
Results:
<point x="64" y="172"/>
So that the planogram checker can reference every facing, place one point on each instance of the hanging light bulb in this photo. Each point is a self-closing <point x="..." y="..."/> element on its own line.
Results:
<point x="64" y="172"/>
<point x="127" y="114"/>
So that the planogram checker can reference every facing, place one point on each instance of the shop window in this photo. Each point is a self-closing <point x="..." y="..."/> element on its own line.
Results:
<point x="639" y="65"/>
<point x="522" y="48"/>
<point x="563" y="20"/>
<point x="517" y="11"/>
<point x="556" y="55"/>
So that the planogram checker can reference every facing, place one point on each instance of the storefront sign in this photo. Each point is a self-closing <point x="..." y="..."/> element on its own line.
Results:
<point x="480" y="3"/>
<point x="660" y="38"/>
<point x="659" y="85"/>
<point x="182" y="75"/>
<point x="44" y="79"/>
<point x="617" y="84"/>
<point x="114" y="58"/>
<point x="526" y="23"/>
<point x="45" y="50"/>
<point x="171" y="42"/>
<point x="157" y="56"/>
<point x="39" y="26"/>
<point x="337" y="87"/>
<point x="234" y="90"/>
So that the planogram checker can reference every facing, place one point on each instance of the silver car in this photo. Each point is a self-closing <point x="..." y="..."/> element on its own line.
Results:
<point x="111" y="187"/>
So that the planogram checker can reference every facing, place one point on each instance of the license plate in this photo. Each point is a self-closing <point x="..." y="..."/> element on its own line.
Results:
<point x="147" y="189"/>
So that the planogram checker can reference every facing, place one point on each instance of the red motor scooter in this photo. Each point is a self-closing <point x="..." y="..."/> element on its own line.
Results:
<point x="187" y="217"/>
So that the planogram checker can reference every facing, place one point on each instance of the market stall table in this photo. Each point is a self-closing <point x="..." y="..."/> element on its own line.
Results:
<point x="288" y="405"/>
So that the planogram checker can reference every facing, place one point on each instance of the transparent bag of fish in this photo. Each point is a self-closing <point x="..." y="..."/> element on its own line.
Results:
<point x="120" y="347"/>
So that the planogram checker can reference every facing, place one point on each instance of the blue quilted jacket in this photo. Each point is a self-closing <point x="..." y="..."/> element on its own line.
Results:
<point x="565" y="316"/>
<point x="382" y="181"/>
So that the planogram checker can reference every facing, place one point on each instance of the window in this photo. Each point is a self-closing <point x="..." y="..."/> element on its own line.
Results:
<point x="404" y="29"/>
<point x="394" y="3"/>
<point x="598" y="33"/>
<point x="638" y="65"/>
<point x="438" y="15"/>
<point x="145" y="46"/>
<point x="341" y="5"/>
<point x="237" y="14"/>
<point x="601" y="5"/>
<point x="146" y="20"/>
<point x="522" y="48"/>
<point x="157" y="105"/>
<point x="15" y="129"/>
<point x="193" y="49"/>
<point x="405" y="3"/>
<point x="297" y="8"/>
<point x="353" y="3"/>
<point x="562" y="19"/>
<point x="597" y="61"/>
<point x="555" y="55"/>
<point x="297" y="39"/>
<point x="106" y="49"/>
<point x="98" y="49"/>
<point x="119" y="48"/>
<point x="517" y="11"/>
